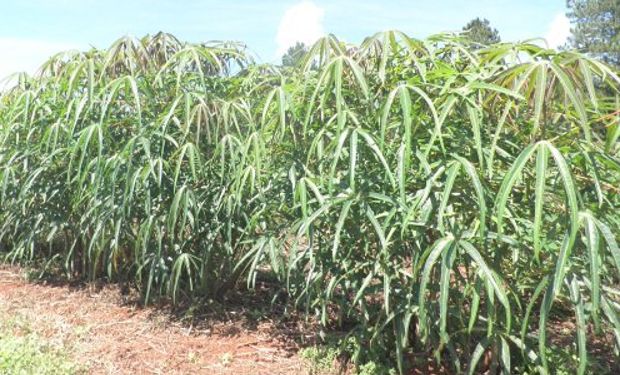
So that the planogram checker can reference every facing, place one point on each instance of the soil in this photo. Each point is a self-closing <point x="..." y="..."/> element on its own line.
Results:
<point x="110" y="335"/>
<point x="110" y="332"/>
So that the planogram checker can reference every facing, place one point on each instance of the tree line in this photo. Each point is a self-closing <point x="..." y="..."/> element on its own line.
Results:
<point x="595" y="31"/>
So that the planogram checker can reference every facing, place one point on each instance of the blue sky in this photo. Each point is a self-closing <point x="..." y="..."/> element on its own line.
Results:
<point x="31" y="30"/>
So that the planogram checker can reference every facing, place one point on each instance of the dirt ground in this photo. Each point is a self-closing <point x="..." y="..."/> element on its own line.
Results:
<point x="108" y="332"/>
<point x="108" y="335"/>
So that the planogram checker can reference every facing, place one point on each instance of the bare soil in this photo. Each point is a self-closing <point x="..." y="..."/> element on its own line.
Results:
<point x="109" y="332"/>
<point x="109" y="335"/>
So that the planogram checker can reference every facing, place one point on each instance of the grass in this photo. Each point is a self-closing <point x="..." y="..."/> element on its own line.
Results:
<point x="320" y="360"/>
<point x="23" y="351"/>
<point x="326" y="359"/>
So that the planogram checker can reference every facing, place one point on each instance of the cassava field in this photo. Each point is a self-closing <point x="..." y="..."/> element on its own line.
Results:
<point x="429" y="198"/>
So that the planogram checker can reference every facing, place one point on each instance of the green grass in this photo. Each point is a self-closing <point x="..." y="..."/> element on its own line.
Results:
<point x="24" y="352"/>
<point x="320" y="360"/>
<point x="325" y="359"/>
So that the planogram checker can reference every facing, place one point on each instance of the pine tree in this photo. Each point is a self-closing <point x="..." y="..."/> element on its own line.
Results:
<point x="480" y="31"/>
<point x="294" y="54"/>
<point x="596" y="28"/>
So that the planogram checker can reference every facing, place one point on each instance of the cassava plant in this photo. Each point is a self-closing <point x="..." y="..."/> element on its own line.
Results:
<point x="427" y="196"/>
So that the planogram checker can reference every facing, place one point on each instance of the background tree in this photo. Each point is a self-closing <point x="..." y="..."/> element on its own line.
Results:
<point x="294" y="54"/>
<point x="480" y="31"/>
<point x="596" y="26"/>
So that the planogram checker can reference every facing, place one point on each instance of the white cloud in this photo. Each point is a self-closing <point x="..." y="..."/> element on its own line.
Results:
<point x="302" y="22"/>
<point x="26" y="55"/>
<point x="559" y="31"/>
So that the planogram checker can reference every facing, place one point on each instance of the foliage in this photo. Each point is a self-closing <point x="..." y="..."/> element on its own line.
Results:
<point x="425" y="196"/>
<point x="294" y="54"/>
<point x="596" y="28"/>
<point x="480" y="31"/>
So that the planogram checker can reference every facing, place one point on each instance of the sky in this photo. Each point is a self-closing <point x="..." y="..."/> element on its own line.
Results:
<point x="32" y="30"/>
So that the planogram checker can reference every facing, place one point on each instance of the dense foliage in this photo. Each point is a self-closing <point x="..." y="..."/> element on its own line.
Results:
<point x="480" y="31"/>
<point x="294" y="54"/>
<point x="596" y="28"/>
<point x="428" y="196"/>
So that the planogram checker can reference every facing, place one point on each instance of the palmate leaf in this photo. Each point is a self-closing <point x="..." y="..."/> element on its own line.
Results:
<point x="475" y="120"/>
<point x="492" y="280"/>
<point x="511" y="177"/>
<point x="571" y="197"/>
<point x="434" y="253"/>
<point x="451" y="176"/>
<point x="339" y="225"/>
<point x="183" y="261"/>
<point x="479" y="351"/>
<point x="539" y="198"/>
<point x="479" y="189"/>
<point x="577" y="102"/>
<point x="508" y="183"/>
<point x="447" y="263"/>
<point x="581" y="325"/>
<point x="593" y="246"/>
<point x="539" y="95"/>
